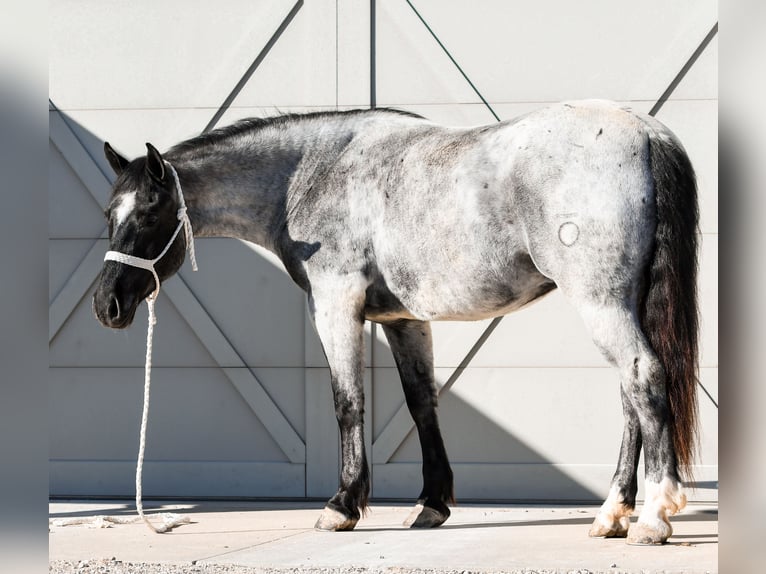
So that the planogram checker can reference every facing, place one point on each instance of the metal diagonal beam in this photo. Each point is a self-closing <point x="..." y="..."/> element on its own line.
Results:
<point x="243" y="379"/>
<point x="459" y="69"/>
<point x="401" y="423"/>
<point x="712" y="400"/>
<point x="684" y="70"/>
<point x="97" y="184"/>
<point x="77" y="156"/>
<point x="75" y="288"/>
<point x="254" y="66"/>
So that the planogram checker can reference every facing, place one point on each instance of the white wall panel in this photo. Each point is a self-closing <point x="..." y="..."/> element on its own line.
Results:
<point x="63" y="257"/>
<point x="143" y="54"/>
<point x="83" y="342"/>
<point x="73" y="213"/>
<point x="537" y="51"/>
<point x="129" y="130"/>
<point x="301" y="66"/>
<point x="285" y="386"/>
<point x="701" y="82"/>
<point x="529" y="416"/>
<point x="207" y="428"/>
<point x="695" y="122"/>
<point x="177" y="479"/>
<point x="353" y="64"/>
<point x="253" y="301"/>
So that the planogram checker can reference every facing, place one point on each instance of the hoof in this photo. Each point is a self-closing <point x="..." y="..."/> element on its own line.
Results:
<point x="642" y="534"/>
<point x="331" y="519"/>
<point x="613" y="518"/>
<point x="604" y="527"/>
<point x="662" y="499"/>
<point x="425" y="517"/>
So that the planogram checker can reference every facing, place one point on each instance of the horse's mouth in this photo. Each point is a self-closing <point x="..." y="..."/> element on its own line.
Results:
<point x="121" y="323"/>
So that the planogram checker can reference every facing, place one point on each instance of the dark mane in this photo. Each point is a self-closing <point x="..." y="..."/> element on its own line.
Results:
<point x="247" y="125"/>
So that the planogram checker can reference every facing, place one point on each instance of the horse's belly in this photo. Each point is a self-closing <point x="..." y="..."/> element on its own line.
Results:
<point x="476" y="303"/>
<point x="456" y="293"/>
<point x="477" y="310"/>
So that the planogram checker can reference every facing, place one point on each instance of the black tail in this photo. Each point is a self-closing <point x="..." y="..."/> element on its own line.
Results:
<point x="669" y="314"/>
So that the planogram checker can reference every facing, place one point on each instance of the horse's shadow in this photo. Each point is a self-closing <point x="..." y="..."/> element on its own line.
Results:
<point x="126" y="509"/>
<point x="586" y="519"/>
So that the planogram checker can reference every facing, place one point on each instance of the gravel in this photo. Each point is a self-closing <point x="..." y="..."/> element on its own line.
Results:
<point x="112" y="566"/>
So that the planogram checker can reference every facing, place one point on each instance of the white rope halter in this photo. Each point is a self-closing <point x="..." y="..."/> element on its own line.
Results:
<point x="169" y="520"/>
<point x="148" y="264"/>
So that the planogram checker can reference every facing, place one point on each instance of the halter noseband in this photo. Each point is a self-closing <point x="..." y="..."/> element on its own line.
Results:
<point x="148" y="264"/>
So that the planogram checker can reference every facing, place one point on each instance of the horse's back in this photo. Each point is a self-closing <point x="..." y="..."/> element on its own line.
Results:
<point x="468" y="223"/>
<point x="512" y="209"/>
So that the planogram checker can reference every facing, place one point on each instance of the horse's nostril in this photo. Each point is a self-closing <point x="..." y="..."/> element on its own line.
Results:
<point x="113" y="309"/>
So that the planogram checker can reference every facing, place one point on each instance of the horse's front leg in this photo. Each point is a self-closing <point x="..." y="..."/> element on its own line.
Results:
<point x="337" y="307"/>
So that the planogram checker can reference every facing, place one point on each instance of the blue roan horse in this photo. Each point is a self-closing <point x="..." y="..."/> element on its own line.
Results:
<point x="383" y="215"/>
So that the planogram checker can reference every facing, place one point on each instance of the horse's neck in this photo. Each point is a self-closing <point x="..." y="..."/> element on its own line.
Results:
<point x="241" y="189"/>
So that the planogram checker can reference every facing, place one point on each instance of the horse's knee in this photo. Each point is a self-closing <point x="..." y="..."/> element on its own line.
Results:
<point x="349" y="409"/>
<point x="347" y="417"/>
<point x="644" y="379"/>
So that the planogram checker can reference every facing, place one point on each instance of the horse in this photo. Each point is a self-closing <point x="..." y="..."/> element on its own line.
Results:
<point x="383" y="215"/>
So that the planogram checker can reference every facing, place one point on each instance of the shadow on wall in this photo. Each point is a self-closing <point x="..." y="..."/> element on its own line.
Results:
<point x="204" y="439"/>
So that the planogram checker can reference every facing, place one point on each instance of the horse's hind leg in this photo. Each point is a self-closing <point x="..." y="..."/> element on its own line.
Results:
<point x="613" y="518"/>
<point x="336" y="305"/>
<point x="412" y="348"/>
<point x="615" y="331"/>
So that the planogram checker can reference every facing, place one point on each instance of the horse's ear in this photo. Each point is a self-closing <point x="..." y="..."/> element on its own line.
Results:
<point x="117" y="162"/>
<point x="155" y="165"/>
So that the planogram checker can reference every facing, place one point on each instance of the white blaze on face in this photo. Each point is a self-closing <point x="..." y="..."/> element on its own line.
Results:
<point x="123" y="210"/>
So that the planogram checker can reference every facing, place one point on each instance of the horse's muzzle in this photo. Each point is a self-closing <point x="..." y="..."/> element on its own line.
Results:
<point x="113" y="311"/>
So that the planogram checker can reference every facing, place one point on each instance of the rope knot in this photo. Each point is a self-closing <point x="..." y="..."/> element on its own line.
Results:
<point x="184" y="218"/>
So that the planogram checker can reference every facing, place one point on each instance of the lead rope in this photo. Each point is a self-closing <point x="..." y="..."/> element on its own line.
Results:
<point x="169" y="521"/>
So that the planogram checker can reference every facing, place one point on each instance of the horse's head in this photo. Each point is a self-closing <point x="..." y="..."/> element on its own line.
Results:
<point x="142" y="216"/>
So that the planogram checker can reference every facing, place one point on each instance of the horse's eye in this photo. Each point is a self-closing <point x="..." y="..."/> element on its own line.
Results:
<point x="151" y="219"/>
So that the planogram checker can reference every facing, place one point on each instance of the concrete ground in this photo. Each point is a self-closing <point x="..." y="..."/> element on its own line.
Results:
<point x="279" y="537"/>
